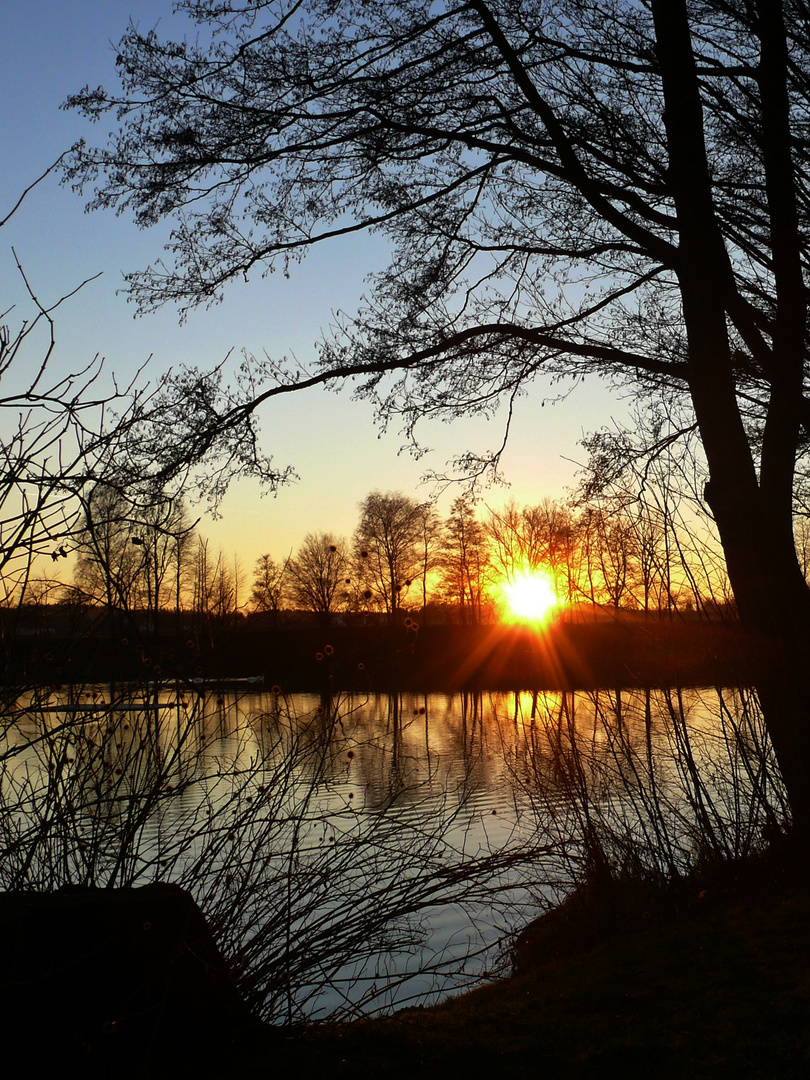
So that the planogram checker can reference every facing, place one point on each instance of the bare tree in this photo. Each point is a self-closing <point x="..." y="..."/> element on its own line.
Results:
<point x="63" y="465"/>
<point x="269" y="585"/>
<point x="654" y="570"/>
<point x="803" y="544"/>
<point x="534" y="538"/>
<point x="466" y="560"/>
<point x="649" y="475"/>
<point x="387" y="544"/>
<point x="617" y="552"/>
<point x="318" y="573"/>
<point x="215" y="589"/>
<point x="107" y="564"/>
<point x="133" y="556"/>
<point x="166" y="533"/>
<point x="429" y="544"/>
<point x="511" y="541"/>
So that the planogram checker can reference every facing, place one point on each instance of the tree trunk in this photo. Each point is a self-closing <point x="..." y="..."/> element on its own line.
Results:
<point x="753" y="515"/>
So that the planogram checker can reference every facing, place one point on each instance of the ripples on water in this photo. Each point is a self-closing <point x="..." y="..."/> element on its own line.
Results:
<point x="357" y="853"/>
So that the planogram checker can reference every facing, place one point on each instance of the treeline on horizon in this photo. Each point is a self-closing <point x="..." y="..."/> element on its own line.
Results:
<point x="404" y="561"/>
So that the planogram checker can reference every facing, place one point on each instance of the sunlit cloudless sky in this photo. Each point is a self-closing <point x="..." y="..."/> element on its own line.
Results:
<point x="51" y="48"/>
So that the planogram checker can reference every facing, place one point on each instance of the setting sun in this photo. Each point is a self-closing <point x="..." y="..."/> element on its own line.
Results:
<point x="530" y="597"/>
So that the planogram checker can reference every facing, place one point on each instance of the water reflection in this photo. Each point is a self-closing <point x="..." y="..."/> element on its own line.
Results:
<point x="357" y="851"/>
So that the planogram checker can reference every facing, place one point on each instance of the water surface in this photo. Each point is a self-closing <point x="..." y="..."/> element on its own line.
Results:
<point x="363" y="851"/>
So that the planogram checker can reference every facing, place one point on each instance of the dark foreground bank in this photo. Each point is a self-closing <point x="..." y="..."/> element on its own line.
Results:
<point x="707" y="979"/>
<point x="710" y="980"/>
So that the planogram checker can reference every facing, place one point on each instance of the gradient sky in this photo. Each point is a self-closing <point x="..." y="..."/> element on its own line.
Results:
<point x="50" y="48"/>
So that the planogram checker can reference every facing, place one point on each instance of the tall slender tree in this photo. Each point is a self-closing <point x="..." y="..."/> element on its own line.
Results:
<point x="429" y="528"/>
<point x="107" y="564"/>
<point x="466" y="561"/>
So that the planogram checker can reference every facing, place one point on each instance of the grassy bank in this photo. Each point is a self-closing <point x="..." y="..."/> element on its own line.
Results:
<point x="712" y="980"/>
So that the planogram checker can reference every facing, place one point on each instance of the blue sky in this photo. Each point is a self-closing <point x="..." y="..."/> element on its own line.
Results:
<point x="50" y="48"/>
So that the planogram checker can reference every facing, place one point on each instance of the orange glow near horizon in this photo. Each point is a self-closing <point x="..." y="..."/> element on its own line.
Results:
<point x="530" y="598"/>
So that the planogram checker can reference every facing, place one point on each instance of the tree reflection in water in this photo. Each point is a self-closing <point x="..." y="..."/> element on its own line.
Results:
<point x="353" y="853"/>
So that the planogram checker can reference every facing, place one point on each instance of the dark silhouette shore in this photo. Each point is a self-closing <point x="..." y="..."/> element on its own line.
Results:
<point x="629" y="649"/>
<point x="706" y="978"/>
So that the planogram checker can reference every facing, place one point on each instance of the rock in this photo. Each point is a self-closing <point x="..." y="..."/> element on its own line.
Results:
<point x="125" y="981"/>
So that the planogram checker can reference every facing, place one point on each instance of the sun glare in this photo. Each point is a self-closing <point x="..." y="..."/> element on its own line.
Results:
<point x="530" y="597"/>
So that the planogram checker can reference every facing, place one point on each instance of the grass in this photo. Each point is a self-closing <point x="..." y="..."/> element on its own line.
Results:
<point x="712" y="980"/>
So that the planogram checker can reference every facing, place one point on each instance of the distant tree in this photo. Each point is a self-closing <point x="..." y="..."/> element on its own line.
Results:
<point x="531" y="538"/>
<point x="617" y="553"/>
<point x="658" y="494"/>
<point x="466" y="561"/>
<point x="803" y="544"/>
<point x="62" y="448"/>
<point x="317" y="575"/>
<point x="506" y="532"/>
<point x="133" y="555"/>
<point x="107" y="564"/>
<point x="557" y="523"/>
<point x="431" y="535"/>
<point x="164" y="535"/>
<point x="215" y="589"/>
<point x="270" y="581"/>
<point x="655" y="586"/>
<point x="387" y="545"/>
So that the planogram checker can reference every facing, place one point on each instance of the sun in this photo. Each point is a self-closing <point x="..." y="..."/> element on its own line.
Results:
<point x="530" y="597"/>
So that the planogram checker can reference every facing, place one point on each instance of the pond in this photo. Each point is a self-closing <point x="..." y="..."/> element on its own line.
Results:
<point x="360" y="852"/>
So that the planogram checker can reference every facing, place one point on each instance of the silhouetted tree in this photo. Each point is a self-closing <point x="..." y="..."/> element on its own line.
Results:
<point x="534" y="538"/>
<point x="133" y="556"/>
<point x="616" y="553"/>
<point x="649" y="475"/>
<point x="269" y="584"/>
<point x="164" y="534"/>
<point x="430" y="530"/>
<point x="466" y="559"/>
<point x="803" y="544"/>
<point x="569" y="187"/>
<point x="317" y="575"/>
<point x="61" y="438"/>
<point x="387" y="547"/>
<point x="107" y="563"/>
<point x="512" y="541"/>
<point x="215" y="589"/>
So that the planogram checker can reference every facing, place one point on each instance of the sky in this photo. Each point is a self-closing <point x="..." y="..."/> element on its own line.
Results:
<point x="51" y="48"/>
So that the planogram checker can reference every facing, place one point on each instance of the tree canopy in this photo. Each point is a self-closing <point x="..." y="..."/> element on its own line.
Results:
<point x="516" y="154"/>
<point x="528" y="228"/>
